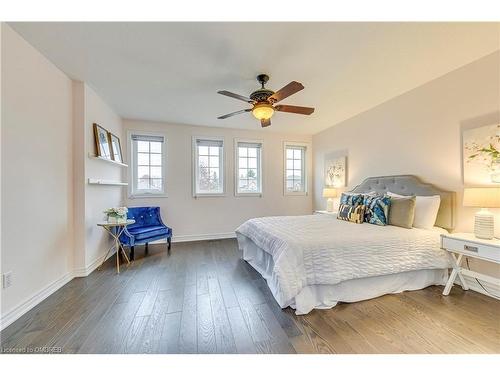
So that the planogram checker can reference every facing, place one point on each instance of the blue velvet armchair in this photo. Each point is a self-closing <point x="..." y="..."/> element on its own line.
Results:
<point x="148" y="227"/>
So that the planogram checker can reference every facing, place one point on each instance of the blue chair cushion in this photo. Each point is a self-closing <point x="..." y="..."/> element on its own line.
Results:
<point x="142" y="233"/>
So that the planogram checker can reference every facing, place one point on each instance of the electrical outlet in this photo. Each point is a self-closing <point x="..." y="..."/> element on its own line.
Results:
<point x="6" y="279"/>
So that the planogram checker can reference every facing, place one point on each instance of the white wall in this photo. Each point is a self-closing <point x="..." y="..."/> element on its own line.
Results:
<point x="418" y="133"/>
<point x="37" y="174"/>
<point x="190" y="217"/>
<point x="99" y="197"/>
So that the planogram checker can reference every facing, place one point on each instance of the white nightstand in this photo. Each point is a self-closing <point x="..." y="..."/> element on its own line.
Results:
<point x="321" y="212"/>
<point x="466" y="244"/>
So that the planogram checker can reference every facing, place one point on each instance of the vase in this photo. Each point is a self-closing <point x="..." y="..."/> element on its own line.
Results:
<point x="495" y="170"/>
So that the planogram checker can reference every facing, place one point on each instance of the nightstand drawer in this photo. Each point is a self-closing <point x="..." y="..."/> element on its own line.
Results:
<point x="471" y="248"/>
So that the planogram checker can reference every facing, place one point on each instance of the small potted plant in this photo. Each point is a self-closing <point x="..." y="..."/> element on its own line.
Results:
<point x="116" y="214"/>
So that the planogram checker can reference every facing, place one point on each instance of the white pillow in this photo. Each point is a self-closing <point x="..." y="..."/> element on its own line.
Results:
<point x="426" y="209"/>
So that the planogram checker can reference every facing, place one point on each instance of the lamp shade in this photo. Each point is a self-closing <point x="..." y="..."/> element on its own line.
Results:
<point x="329" y="193"/>
<point x="483" y="197"/>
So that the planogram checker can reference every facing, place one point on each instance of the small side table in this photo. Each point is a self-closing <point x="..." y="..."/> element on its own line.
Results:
<point x="108" y="227"/>
<point x="467" y="245"/>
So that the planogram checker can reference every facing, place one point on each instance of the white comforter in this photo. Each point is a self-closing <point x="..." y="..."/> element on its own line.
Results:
<point x="320" y="249"/>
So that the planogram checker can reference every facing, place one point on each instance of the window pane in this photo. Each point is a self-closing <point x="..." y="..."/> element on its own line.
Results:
<point x="214" y="161"/>
<point x="214" y="150"/>
<point x="243" y="173"/>
<point x="289" y="164"/>
<point x="289" y="174"/>
<point x="142" y="159"/>
<point x="252" y="163"/>
<point x="142" y="146"/>
<point x="297" y="164"/>
<point x="252" y="152"/>
<point x="297" y="154"/>
<point x="242" y="151"/>
<point x="203" y="161"/>
<point x="143" y="172"/>
<point x="202" y="150"/>
<point x="155" y="159"/>
<point x="243" y="184"/>
<point x="156" y="172"/>
<point x="243" y="163"/>
<point x="289" y="184"/>
<point x="156" y="184"/>
<point x="289" y="153"/>
<point x="297" y="175"/>
<point x="155" y="147"/>
<point x="143" y="184"/>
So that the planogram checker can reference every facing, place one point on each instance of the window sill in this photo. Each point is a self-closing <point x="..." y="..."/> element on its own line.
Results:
<point x="208" y="195"/>
<point x="146" y="195"/>
<point x="255" y="195"/>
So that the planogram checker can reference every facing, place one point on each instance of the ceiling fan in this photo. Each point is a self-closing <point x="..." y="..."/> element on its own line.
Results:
<point x="263" y="101"/>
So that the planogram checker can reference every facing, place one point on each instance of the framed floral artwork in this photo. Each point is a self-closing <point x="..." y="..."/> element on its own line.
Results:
<point x="481" y="155"/>
<point x="335" y="171"/>
<point x="103" y="147"/>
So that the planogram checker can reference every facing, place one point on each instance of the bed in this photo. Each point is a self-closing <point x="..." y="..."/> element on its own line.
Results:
<point x="315" y="261"/>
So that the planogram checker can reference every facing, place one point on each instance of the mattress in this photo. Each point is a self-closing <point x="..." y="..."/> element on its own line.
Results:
<point x="314" y="250"/>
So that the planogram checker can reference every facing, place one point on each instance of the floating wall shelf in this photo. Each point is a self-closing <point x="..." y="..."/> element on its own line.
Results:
<point x="107" y="160"/>
<point x="96" y="181"/>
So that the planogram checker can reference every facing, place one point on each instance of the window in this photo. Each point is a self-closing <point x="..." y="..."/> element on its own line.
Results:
<point x="248" y="168"/>
<point x="295" y="168"/>
<point x="208" y="166"/>
<point x="148" y="156"/>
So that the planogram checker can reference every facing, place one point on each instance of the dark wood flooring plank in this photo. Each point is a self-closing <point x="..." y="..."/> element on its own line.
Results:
<point x="206" y="328"/>
<point x="188" y="341"/>
<point x="242" y="338"/>
<point x="169" y="339"/>
<point x="223" y="334"/>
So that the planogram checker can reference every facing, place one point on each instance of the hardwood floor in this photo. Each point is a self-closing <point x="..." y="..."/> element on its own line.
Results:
<point x="202" y="298"/>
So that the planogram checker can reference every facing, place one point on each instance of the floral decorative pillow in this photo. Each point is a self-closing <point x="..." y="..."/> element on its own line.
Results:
<point x="377" y="209"/>
<point x="352" y="199"/>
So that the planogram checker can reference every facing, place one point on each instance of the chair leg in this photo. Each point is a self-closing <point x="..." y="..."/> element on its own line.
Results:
<point x="146" y="249"/>
<point x="169" y="240"/>
<point x="132" y="253"/>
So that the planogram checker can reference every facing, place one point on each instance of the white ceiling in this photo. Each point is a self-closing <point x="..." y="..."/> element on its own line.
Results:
<point x="171" y="71"/>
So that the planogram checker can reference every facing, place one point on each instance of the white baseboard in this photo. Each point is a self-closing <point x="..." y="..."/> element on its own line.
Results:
<point x="473" y="285"/>
<point x="199" y="237"/>
<point x="85" y="271"/>
<point x="203" y="237"/>
<point x="34" y="300"/>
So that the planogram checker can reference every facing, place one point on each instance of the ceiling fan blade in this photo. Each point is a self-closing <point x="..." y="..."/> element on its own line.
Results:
<point x="294" y="109"/>
<point x="265" y="122"/>
<point x="286" y="91"/>
<point x="234" y="113"/>
<point x="235" y="96"/>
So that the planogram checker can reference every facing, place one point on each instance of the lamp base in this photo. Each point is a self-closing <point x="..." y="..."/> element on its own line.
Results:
<point x="484" y="225"/>
<point x="329" y="205"/>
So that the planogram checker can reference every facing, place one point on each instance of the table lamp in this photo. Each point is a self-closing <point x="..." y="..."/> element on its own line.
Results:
<point x="329" y="193"/>
<point x="484" y="198"/>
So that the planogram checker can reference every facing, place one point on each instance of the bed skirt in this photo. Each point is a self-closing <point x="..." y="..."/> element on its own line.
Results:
<point x="327" y="296"/>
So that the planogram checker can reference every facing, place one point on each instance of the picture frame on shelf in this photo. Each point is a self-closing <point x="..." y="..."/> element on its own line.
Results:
<point x="116" y="148"/>
<point x="102" y="142"/>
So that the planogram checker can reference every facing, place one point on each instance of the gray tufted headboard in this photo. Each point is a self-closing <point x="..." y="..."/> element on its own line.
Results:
<point x="411" y="185"/>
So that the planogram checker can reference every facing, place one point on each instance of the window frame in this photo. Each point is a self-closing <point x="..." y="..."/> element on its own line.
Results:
<point x="260" y="168"/>
<point x="133" y="192"/>
<point x="305" y="168"/>
<point x="222" y="166"/>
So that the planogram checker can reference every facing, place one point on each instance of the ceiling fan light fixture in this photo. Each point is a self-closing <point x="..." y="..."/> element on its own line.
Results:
<point x="263" y="111"/>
